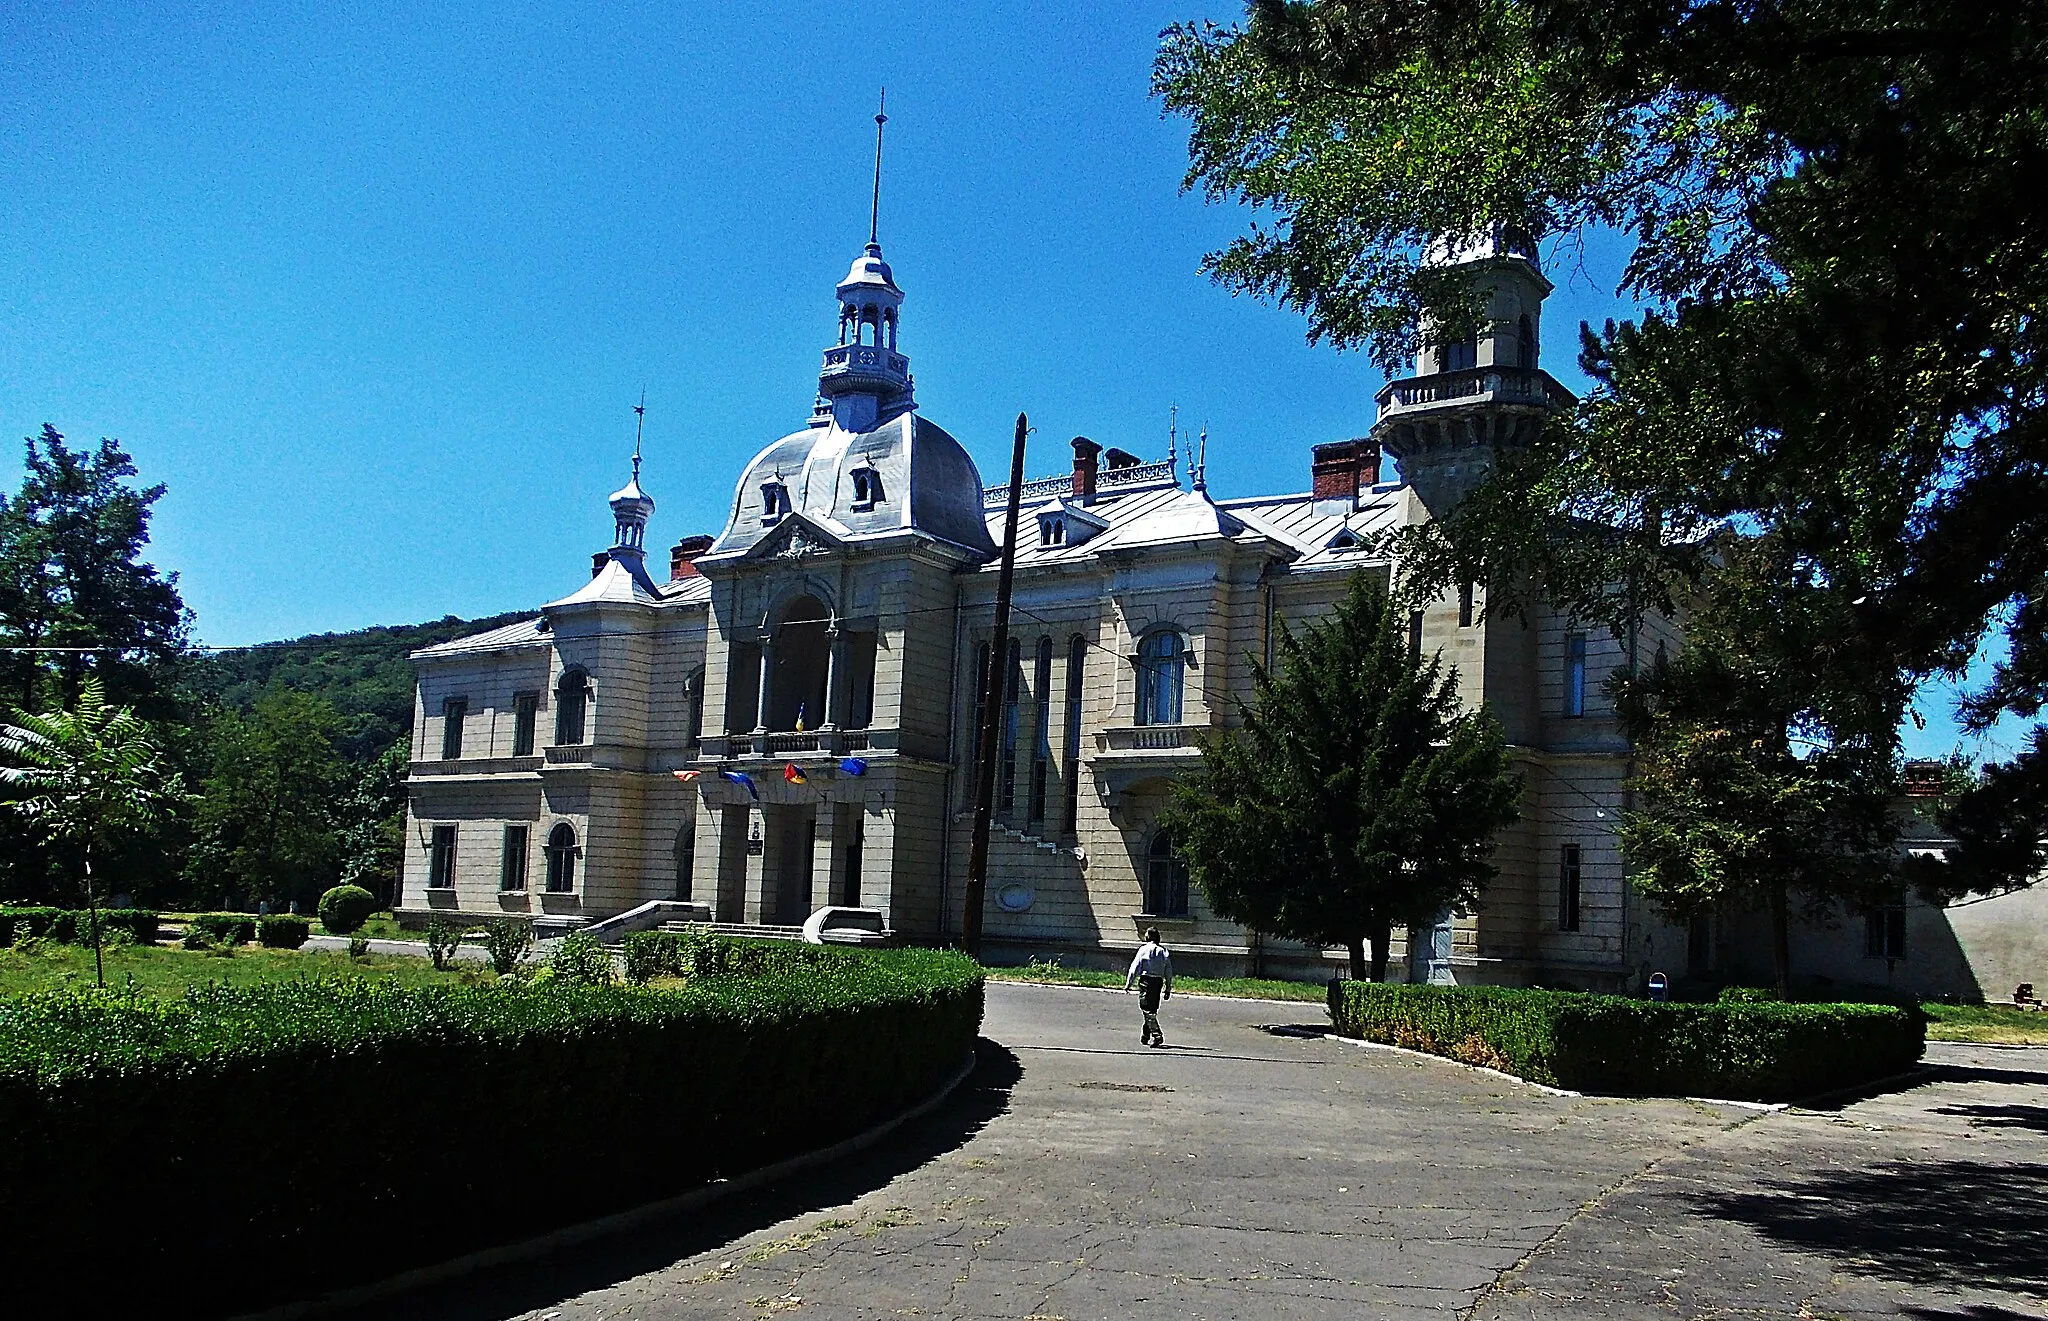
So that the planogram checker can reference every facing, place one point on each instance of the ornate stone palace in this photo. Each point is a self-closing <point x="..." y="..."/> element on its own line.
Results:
<point x="816" y="665"/>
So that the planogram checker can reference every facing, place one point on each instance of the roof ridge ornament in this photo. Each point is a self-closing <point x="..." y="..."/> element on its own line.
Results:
<point x="875" y="207"/>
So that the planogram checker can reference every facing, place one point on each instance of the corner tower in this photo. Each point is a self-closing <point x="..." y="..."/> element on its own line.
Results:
<point x="1478" y="390"/>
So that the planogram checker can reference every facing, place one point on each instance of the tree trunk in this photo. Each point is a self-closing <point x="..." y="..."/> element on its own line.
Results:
<point x="1358" y="958"/>
<point x="1781" y="939"/>
<point x="1382" y="937"/>
<point x="92" y="908"/>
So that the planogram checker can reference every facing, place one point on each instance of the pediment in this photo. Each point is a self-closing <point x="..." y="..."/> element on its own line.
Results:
<point x="795" y="538"/>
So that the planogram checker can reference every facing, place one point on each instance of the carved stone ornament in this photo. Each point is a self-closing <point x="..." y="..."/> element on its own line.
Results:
<point x="798" y="543"/>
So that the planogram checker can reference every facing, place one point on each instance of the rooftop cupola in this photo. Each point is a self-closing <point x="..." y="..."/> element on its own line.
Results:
<point x="631" y="508"/>
<point x="865" y="380"/>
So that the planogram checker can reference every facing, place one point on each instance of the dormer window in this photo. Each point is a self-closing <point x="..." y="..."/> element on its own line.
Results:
<point x="1345" y="541"/>
<point x="1052" y="530"/>
<point x="867" y="487"/>
<point x="774" y="501"/>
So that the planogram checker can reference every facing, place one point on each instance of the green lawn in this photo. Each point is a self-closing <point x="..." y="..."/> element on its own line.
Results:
<point x="1999" y="1024"/>
<point x="1244" y="988"/>
<point x="161" y="970"/>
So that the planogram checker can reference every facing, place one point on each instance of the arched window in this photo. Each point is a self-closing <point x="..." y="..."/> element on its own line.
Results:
<point x="1166" y="879"/>
<point x="774" y="501"/>
<point x="1526" y="342"/>
<point x="572" y="704"/>
<point x="1162" y="665"/>
<point x="694" y="689"/>
<point x="1077" y="651"/>
<point x="561" y="859"/>
<point x="686" y="858"/>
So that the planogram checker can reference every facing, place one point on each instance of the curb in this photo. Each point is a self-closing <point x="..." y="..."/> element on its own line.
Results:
<point x="1544" y="1088"/>
<point x="1118" y="990"/>
<point x="540" y="1245"/>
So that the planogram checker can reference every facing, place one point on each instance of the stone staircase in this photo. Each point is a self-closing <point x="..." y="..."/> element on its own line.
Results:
<point x="742" y="930"/>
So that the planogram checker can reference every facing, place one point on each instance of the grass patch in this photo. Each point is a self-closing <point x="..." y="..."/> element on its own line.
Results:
<point x="1241" y="988"/>
<point x="162" y="972"/>
<point x="1996" y="1024"/>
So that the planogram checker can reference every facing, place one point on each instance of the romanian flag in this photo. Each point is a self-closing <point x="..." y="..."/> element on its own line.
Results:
<point x="687" y="776"/>
<point x="795" y="774"/>
<point x="799" y="717"/>
<point x="744" y="781"/>
<point x="854" y="766"/>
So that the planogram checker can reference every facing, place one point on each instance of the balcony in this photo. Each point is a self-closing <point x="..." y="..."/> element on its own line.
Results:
<point x="793" y="743"/>
<point x="468" y="768"/>
<point x="1473" y="385"/>
<point x="571" y="754"/>
<point x="862" y="364"/>
<point x="1146" y="738"/>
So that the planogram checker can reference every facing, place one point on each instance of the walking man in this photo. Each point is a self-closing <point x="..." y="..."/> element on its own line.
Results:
<point x="1152" y="972"/>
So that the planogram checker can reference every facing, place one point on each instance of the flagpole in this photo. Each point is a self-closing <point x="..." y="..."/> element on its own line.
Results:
<point x="975" y="897"/>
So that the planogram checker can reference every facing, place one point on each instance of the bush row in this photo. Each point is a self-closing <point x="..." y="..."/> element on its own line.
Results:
<point x="73" y="926"/>
<point x="702" y="952"/>
<point x="268" y="1126"/>
<point x="1610" y="1044"/>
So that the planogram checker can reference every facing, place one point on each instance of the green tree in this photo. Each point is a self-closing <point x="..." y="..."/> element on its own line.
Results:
<point x="1744" y="792"/>
<point x="1355" y="797"/>
<point x="83" y="777"/>
<point x="267" y="813"/>
<point x="1826" y="208"/>
<point x="372" y="817"/>
<point x="72" y="576"/>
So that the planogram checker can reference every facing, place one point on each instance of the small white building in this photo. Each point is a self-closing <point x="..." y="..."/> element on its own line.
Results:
<point x="815" y="665"/>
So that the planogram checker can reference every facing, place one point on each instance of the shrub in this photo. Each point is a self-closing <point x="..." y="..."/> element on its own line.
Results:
<point x="283" y="930"/>
<point x="701" y="952"/>
<point x="359" y="946"/>
<point x="197" y="937"/>
<point x="443" y="939"/>
<point x="226" y="928"/>
<point x="121" y="1102"/>
<point x="580" y="959"/>
<point x="507" y="941"/>
<point x="72" y="926"/>
<point x="345" y="908"/>
<point x="1611" y="1044"/>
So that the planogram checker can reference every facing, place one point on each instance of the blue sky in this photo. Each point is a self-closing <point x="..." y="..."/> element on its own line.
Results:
<point x="374" y="288"/>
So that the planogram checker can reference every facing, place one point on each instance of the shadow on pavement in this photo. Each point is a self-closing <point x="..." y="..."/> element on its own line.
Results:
<point x="2034" y="1117"/>
<point x="1942" y="1224"/>
<point x="509" y="1291"/>
<point x="1982" y="1073"/>
<point x="1970" y="1312"/>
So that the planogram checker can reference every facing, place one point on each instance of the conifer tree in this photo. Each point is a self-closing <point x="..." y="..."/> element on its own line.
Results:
<point x="1355" y="797"/>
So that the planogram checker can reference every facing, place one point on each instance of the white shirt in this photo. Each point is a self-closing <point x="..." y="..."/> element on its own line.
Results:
<point x="1152" y="960"/>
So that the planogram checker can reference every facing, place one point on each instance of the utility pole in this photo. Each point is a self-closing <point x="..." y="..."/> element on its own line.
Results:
<point x="976" y="896"/>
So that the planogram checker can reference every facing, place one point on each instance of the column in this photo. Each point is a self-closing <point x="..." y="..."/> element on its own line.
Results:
<point x="835" y="666"/>
<point x="825" y="855"/>
<point x="766" y="684"/>
<point x="760" y="901"/>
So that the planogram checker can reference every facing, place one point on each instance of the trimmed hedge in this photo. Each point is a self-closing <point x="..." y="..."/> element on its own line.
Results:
<point x="282" y="930"/>
<point x="345" y="908"/>
<point x="225" y="928"/>
<point x="180" y="1126"/>
<point x="1610" y="1044"/>
<point x="701" y="952"/>
<point x="73" y="926"/>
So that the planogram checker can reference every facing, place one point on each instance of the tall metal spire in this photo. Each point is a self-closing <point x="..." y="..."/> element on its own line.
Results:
<point x="639" y="427"/>
<point x="875" y="208"/>
<point x="1202" y="460"/>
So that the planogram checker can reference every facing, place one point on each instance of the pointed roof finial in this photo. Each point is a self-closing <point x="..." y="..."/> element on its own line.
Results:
<point x="1202" y="461"/>
<point x="875" y="209"/>
<point x="639" y="428"/>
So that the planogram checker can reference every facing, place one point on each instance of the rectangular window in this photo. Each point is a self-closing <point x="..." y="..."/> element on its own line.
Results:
<point x="1465" y="591"/>
<point x="1414" y="635"/>
<point x="452" y="712"/>
<point x="1041" y="742"/>
<point x="1568" y="888"/>
<point x="1884" y="933"/>
<point x="441" y="859"/>
<point x="525" y="709"/>
<point x="1575" y="674"/>
<point x="1013" y="682"/>
<point x="512" y="867"/>
<point x="1077" y="650"/>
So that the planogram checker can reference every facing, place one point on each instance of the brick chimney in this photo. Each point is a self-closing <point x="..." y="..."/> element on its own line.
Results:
<point x="598" y="560"/>
<point x="1086" y="454"/>
<point x="1339" y="471"/>
<point x="682" y="557"/>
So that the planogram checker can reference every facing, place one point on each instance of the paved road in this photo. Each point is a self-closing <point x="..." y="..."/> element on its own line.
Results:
<point x="1080" y="1176"/>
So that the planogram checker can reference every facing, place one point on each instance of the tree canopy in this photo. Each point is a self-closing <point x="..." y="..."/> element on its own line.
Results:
<point x="1356" y="796"/>
<point x="1827" y="207"/>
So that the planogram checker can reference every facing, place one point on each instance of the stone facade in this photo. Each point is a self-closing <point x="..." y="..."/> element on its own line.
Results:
<point x="790" y="719"/>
